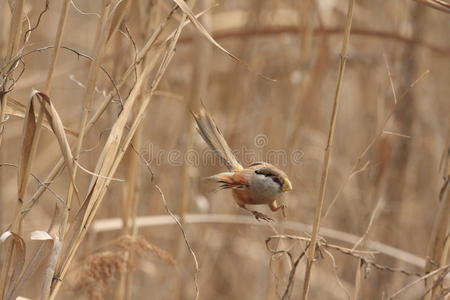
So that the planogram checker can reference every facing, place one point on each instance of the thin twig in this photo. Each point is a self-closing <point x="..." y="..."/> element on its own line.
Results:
<point x="290" y="284"/>
<point x="359" y="254"/>
<point x="327" y="153"/>
<point x="372" y="142"/>
<point x="41" y="183"/>
<point x="441" y="269"/>
<point x="338" y="280"/>
<point x="28" y="32"/>
<point x="177" y="221"/>
<point x="79" y="54"/>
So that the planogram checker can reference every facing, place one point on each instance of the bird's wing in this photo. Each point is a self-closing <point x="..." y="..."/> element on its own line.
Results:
<point x="232" y="180"/>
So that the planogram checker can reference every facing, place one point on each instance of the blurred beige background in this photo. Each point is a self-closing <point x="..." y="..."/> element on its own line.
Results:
<point x="400" y="47"/>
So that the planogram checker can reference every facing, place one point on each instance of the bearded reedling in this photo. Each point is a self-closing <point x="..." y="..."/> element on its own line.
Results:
<point x="259" y="184"/>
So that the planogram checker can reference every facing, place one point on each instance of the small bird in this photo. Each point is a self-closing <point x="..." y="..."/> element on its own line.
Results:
<point x="259" y="183"/>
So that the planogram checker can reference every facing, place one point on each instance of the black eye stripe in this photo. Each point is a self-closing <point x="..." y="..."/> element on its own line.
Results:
<point x="277" y="180"/>
<point x="268" y="173"/>
<point x="263" y="172"/>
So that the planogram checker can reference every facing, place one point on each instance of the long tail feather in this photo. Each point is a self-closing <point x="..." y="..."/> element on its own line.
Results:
<point x="214" y="138"/>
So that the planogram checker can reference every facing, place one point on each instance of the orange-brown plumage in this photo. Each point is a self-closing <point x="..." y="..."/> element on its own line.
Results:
<point x="259" y="183"/>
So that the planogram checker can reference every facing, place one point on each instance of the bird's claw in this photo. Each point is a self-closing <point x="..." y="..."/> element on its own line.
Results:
<point x="260" y="216"/>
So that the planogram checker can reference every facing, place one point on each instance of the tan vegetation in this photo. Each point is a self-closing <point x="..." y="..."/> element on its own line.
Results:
<point x="101" y="168"/>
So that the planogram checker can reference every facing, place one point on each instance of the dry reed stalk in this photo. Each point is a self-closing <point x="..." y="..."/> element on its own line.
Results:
<point x="31" y="130"/>
<point x="114" y="150"/>
<point x="104" y="104"/>
<point x="15" y="34"/>
<point x="98" y="113"/>
<point x="103" y="27"/>
<point x="130" y="205"/>
<point x="166" y="60"/>
<point x="238" y="98"/>
<point x="68" y="159"/>
<point x="133" y="199"/>
<point x="30" y="138"/>
<point x="57" y="44"/>
<point x="327" y="154"/>
<point x="98" y="187"/>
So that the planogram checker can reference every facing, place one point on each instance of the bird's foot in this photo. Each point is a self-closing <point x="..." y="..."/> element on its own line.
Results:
<point x="260" y="216"/>
<point x="275" y="207"/>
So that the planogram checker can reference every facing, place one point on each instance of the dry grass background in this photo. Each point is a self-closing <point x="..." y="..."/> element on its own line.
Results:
<point x="385" y="222"/>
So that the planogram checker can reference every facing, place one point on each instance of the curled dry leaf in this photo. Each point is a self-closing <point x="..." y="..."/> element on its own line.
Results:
<point x="17" y="109"/>
<point x="57" y="127"/>
<point x="45" y="246"/>
<point x="185" y="8"/>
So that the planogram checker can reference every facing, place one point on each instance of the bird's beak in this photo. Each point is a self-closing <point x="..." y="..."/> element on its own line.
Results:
<point x="287" y="186"/>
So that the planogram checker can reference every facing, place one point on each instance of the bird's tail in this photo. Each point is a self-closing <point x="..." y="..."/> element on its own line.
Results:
<point x="214" y="138"/>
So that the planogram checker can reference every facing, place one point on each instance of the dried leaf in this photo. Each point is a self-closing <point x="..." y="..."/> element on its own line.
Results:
<point x="30" y="139"/>
<point x="51" y="269"/>
<point x="18" y="258"/>
<point x="185" y="8"/>
<point x="43" y="251"/>
<point x="17" y="109"/>
<point x="58" y="129"/>
<point x="5" y="235"/>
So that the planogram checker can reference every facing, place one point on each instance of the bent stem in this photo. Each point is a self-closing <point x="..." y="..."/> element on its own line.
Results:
<point x="327" y="154"/>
